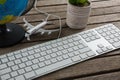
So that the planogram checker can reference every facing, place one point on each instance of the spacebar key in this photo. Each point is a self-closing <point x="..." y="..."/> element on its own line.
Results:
<point x="53" y="67"/>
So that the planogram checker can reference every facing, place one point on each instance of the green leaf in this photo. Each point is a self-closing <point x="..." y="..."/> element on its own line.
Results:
<point x="72" y="1"/>
<point x="81" y="1"/>
<point x="2" y="2"/>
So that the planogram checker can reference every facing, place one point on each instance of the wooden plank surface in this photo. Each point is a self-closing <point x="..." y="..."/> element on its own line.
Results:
<point x="110" y="76"/>
<point x="104" y="67"/>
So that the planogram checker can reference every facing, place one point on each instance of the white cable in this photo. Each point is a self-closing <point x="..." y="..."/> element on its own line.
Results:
<point x="60" y="23"/>
<point x="48" y="15"/>
<point x="35" y="6"/>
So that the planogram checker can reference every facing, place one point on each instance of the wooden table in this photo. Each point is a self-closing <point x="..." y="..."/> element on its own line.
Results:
<point x="104" y="67"/>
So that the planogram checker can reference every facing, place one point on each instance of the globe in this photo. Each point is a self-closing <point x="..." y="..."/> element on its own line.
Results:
<point x="10" y="9"/>
<point x="11" y="33"/>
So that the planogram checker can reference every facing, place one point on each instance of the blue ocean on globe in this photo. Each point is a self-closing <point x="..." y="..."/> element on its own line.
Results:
<point x="10" y="9"/>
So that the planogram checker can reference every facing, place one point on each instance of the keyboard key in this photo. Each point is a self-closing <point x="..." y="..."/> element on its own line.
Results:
<point x="18" y="56"/>
<point x="18" y="61"/>
<point x="10" y="63"/>
<point x="4" y="60"/>
<point x="76" y="43"/>
<point x="76" y="53"/>
<point x="2" y="66"/>
<point x="3" y="56"/>
<point x="21" y="77"/>
<point x="35" y="66"/>
<point x="65" y="56"/>
<point x="99" y="51"/>
<point x="76" y="58"/>
<point x="59" y="53"/>
<point x="59" y="58"/>
<point x="30" y="57"/>
<point x="37" y="50"/>
<point x="4" y="71"/>
<point x="41" y="64"/>
<point x="48" y="62"/>
<point x="83" y="56"/>
<point x="65" y="46"/>
<point x="37" y="55"/>
<point x="59" y="44"/>
<point x="29" y="75"/>
<point x="81" y="46"/>
<point x="47" y="57"/>
<point x="84" y="50"/>
<point x="43" y="49"/>
<point x="17" y="52"/>
<point x="64" y="51"/>
<point x="53" y="60"/>
<point x="64" y="42"/>
<point x="71" y="44"/>
<point x="60" y="48"/>
<point x="52" y="67"/>
<point x="27" y="69"/>
<point x="109" y="47"/>
<point x="116" y="39"/>
<point x="35" y="61"/>
<point x="104" y="49"/>
<point x="42" y="59"/>
<point x="30" y="48"/>
<point x="111" y="41"/>
<point x="84" y="36"/>
<point x="116" y="44"/>
<point x="29" y="63"/>
<point x="21" y="71"/>
<point x="53" y="55"/>
<point x="5" y="77"/>
<point x="13" y="74"/>
<point x="70" y="49"/>
<point x="75" y="47"/>
<point x="11" y="58"/>
<point x="10" y="54"/>
<point x="24" y="59"/>
<point x="91" y="53"/>
<point x="24" y="54"/>
<point x="15" y="67"/>
<point x="54" y="45"/>
<point x="76" y="38"/>
<point x="71" y="54"/>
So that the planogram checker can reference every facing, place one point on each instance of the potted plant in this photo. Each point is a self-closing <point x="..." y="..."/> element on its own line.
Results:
<point x="78" y="13"/>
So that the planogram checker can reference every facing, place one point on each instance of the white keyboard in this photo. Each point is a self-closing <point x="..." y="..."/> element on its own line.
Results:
<point x="41" y="59"/>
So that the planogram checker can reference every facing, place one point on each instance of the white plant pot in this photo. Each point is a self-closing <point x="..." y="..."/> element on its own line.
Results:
<point x="77" y="17"/>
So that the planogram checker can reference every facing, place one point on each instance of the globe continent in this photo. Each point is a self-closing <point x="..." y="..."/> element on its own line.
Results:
<point x="10" y="9"/>
<point x="2" y="2"/>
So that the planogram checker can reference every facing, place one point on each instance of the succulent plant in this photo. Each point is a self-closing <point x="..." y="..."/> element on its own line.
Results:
<point x="79" y="2"/>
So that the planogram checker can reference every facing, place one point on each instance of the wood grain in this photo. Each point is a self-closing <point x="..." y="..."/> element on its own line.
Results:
<point x="98" y="4"/>
<point x="104" y="67"/>
<point x="109" y="76"/>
